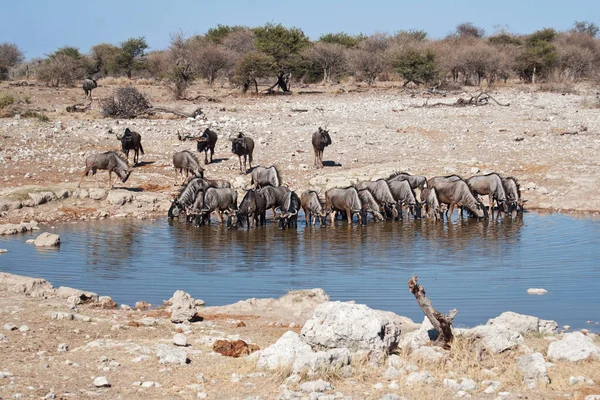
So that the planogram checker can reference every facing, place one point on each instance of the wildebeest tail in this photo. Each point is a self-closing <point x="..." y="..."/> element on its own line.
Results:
<point x="141" y="148"/>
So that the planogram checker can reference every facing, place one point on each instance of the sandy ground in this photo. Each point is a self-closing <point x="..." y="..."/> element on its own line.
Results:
<point x="549" y="141"/>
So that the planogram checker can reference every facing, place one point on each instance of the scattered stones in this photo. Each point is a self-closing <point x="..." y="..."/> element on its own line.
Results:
<point x="61" y="315"/>
<point x="492" y="386"/>
<point x="574" y="346"/>
<point x="5" y="374"/>
<point x="149" y="384"/>
<point x="101" y="381"/>
<point x="419" y="378"/>
<point x="580" y="380"/>
<point x="46" y="239"/>
<point x="235" y="349"/>
<point x="13" y="229"/>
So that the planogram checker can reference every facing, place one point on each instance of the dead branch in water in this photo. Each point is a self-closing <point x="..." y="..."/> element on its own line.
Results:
<point x="442" y="323"/>
<point x="480" y="99"/>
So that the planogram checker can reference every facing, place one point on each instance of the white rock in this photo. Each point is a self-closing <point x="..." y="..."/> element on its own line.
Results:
<point x="46" y="239"/>
<point x="170" y="355"/>
<point x="394" y="385"/>
<point x="315" y="386"/>
<point x="61" y="315"/>
<point x="538" y="291"/>
<point x="182" y="307"/>
<point x="580" y="380"/>
<point x="468" y="385"/>
<point x="495" y="338"/>
<point x="452" y="385"/>
<point x="180" y="340"/>
<point x="119" y="197"/>
<point x="428" y="354"/>
<point x="5" y="374"/>
<point x="492" y="386"/>
<point x="101" y="381"/>
<point x="149" y="384"/>
<point x="574" y="346"/>
<point x="62" y="347"/>
<point x="592" y="397"/>
<point x="419" y="377"/>
<point x="524" y="323"/>
<point x="533" y="367"/>
<point x="24" y="328"/>
<point x="354" y="326"/>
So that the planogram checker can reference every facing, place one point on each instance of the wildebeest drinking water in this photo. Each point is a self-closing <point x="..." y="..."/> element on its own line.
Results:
<point x="111" y="161"/>
<point x="512" y="189"/>
<point x="219" y="200"/>
<point x="187" y="196"/>
<point x="242" y="145"/>
<point x="415" y="181"/>
<point x="490" y="185"/>
<point x="186" y="161"/>
<point x="405" y="196"/>
<point x="251" y="211"/>
<point x="289" y="211"/>
<point x="432" y="205"/>
<point x="320" y="140"/>
<point x="343" y="199"/>
<point x="263" y="176"/>
<point x="207" y="142"/>
<point x="89" y="84"/>
<point x="313" y="210"/>
<point x="457" y="193"/>
<point x="132" y="141"/>
<point x="381" y="191"/>
<point x="369" y="205"/>
<point x="273" y="196"/>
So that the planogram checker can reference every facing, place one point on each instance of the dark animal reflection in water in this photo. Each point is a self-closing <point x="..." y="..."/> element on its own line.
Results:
<point x="482" y="268"/>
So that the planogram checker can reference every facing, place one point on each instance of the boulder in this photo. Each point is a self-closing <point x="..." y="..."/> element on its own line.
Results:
<point x="183" y="307"/>
<point x="428" y="354"/>
<point x="34" y="287"/>
<point x="62" y="194"/>
<point x="234" y="349"/>
<point x="9" y="205"/>
<point x="574" y="347"/>
<point x="495" y="338"/>
<point x="101" y="381"/>
<point x="119" y="197"/>
<point x="533" y="367"/>
<point x="291" y="351"/>
<point x="13" y="229"/>
<point x="39" y="198"/>
<point x="171" y="355"/>
<point x="47" y="240"/>
<point x="524" y="323"/>
<point x="420" y="337"/>
<point x="354" y="326"/>
<point x="316" y="386"/>
<point x="419" y="378"/>
<point x="180" y="340"/>
<point x="80" y="296"/>
<point x="97" y="193"/>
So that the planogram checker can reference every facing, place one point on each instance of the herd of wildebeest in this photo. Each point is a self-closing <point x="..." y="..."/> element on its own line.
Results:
<point x="391" y="198"/>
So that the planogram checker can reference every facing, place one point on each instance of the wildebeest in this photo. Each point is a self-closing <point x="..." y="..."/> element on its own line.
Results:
<point x="313" y="210"/>
<point x="207" y="142"/>
<point x="457" y="193"/>
<point x="186" y="161"/>
<point x="404" y="195"/>
<point x="448" y="178"/>
<point x="513" y="195"/>
<point x="415" y="181"/>
<point x="432" y="205"/>
<point x="381" y="191"/>
<point x="343" y="199"/>
<point x="188" y="195"/>
<point x="132" y="141"/>
<point x="242" y="145"/>
<point x="111" y="161"/>
<point x="289" y="211"/>
<point x="89" y="84"/>
<point x="274" y="196"/>
<point x="251" y="211"/>
<point x="490" y="185"/>
<point x="263" y="176"/>
<point x="320" y="140"/>
<point x="219" y="200"/>
<point x="369" y="204"/>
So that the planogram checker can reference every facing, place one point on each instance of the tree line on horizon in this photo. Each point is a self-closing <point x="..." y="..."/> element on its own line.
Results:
<point x="274" y="53"/>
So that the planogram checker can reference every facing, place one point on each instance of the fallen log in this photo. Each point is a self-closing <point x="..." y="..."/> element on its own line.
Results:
<point x="153" y="110"/>
<point x="442" y="323"/>
<point x="481" y="99"/>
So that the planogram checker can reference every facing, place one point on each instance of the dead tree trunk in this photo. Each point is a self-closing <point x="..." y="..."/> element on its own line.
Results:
<point x="442" y="323"/>
<point x="153" y="110"/>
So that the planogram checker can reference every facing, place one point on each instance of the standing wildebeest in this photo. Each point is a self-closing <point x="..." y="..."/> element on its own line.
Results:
<point x="415" y="181"/>
<point x="381" y="191"/>
<point x="188" y="195"/>
<point x="320" y="140"/>
<point x="432" y="205"/>
<point x="346" y="200"/>
<point x="404" y="195"/>
<point x="369" y="204"/>
<point x="310" y="203"/>
<point x="457" y="193"/>
<point x="490" y="185"/>
<point x="289" y="211"/>
<point x="111" y="161"/>
<point x="243" y="146"/>
<point x="513" y="195"/>
<point x="252" y="211"/>
<point x="207" y="142"/>
<point x="262" y="176"/>
<point x="132" y="141"/>
<point x="186" y="161"/>
<point x="218" y="200"/>
<point x="89" y="85"/>
<point x="273" y="196"/>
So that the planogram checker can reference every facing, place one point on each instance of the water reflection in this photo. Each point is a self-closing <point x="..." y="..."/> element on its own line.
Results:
<point x="132" y="260"/>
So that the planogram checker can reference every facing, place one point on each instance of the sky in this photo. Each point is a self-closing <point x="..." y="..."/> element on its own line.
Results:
<point x="39" y="27"/>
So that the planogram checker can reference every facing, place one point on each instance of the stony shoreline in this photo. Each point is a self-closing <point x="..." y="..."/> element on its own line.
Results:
<point x="64" y="343"/>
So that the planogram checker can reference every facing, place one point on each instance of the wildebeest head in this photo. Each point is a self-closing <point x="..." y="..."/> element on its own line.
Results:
<point x="325" y="138"/>
<point x="175" y="209"/>
<point x="238" y="146"/>
<point x="126" y="176"/>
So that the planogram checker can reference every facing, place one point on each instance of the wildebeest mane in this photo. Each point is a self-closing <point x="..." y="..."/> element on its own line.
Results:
<point x="517" y="184"/>
<point x="395" y="174"/>
<point x="193" y="156"/>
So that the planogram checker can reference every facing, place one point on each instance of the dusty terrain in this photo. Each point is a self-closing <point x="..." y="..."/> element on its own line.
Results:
<point x="549" y="141"/>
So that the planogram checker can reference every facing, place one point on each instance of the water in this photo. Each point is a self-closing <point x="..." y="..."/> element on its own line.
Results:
<point x="480" y="268"/>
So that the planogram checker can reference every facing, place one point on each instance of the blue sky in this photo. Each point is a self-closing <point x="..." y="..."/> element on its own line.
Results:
<point x="39" y="27"/>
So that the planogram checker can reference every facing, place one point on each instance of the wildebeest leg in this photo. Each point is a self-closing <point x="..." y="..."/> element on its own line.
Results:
<point x="320" y="158"/>
<point x="450" y="211"/>
<point x="316" y="163"/>
<point x="206" y="157"/>
<point x="240" y="157"/>
<point x="212" y="153"/>
<point x="332" y="216"/>
<point x="84" y="174"/>
<point x="349" y="215"/>
<point x="109" y="179"/>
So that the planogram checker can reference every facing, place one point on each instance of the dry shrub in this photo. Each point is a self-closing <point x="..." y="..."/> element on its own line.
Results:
<point x="120" y="81"/>
<point x="6" y="99"/>
<point x="145" y="82"/>
<point x="557" y="82"/>
<point x="126" y="102"/>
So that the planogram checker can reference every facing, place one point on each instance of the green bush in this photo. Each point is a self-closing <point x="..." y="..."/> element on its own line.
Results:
<point x="416" y="66"/>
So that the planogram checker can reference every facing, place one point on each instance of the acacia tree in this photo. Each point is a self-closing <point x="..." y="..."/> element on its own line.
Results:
<point x="283" y="45"/>
<point x="209" y="59"/>
<point x="330" y="57"/>
<point x="368" y="60"/>
<point x="10" y="55"/>
<point x="104" y="56"/>
<point x="65" y="65"/>
<point x="252" y="66"/>
<point x="131" y="55"/>
<point x="538" y="56"/>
